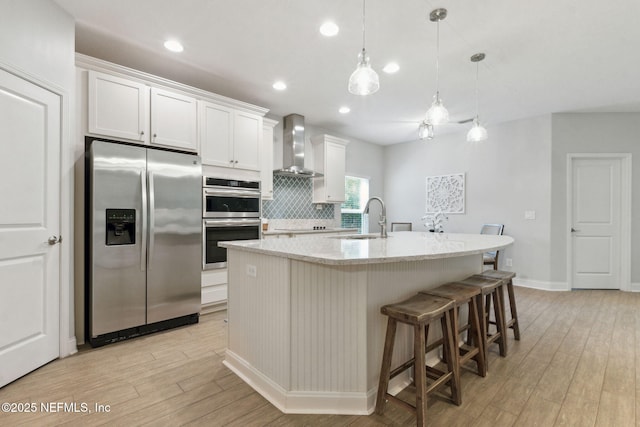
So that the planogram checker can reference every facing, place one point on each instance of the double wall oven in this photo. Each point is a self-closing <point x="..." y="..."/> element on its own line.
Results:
<point x="230" y="211"/>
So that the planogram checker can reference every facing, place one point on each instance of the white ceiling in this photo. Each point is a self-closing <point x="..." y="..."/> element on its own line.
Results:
<point x="543" y="56"/>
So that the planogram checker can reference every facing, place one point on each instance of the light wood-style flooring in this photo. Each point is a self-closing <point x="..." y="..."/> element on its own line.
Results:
<point x="578" y="364"/>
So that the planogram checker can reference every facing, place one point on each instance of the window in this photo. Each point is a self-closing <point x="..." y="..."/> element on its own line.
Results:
<point x="357" y="194"/>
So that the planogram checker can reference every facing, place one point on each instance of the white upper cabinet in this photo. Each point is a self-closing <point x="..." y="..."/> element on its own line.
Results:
<point x="138" y="107"/>
<point x="173" y="120"/>
<point x="118" y="107"/>
<point x="216" y="134"/>
<point x="329" y="155"/>
<point x="247" y="140"/>
<point x="230" y="138"/>
<point x="266" y="172"/>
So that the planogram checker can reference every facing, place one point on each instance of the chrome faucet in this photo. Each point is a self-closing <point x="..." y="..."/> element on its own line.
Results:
<point x="383" y="216"/>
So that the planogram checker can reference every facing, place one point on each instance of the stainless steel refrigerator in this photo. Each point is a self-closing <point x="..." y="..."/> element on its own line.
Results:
<point x="145" y="217"/>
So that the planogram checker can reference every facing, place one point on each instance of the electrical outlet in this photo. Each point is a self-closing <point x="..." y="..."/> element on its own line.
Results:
<point x="529" y="214"/>
<point x="252" y="270"/>
<point x="319" y="207"/>
<point x="508" y="262"/>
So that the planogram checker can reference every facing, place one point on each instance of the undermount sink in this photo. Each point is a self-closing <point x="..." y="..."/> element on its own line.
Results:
<point x="359" y="236"/>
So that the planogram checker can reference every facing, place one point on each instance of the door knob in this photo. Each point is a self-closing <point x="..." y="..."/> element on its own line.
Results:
<point x="54" y="239"/>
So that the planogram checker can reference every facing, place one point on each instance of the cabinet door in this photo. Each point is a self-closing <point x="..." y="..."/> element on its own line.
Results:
<point x="173" y="120"/>
<point x="335" y="167"/>
<point x="214" y="286"/>
<point x="216" y="135"/>
<point x="266" y="171"/>
<point x="118" y="107"/>
<point x="247" y="140"/>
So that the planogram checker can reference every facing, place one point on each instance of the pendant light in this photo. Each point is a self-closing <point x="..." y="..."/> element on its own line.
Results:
<point x="364" y="80"/>
<point x="437" y="114"/>
<point x="477" y="132"/>
<point x="425" y="131"/>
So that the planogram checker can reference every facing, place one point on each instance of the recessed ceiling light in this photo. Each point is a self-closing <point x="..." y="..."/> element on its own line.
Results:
<point x="391" y="67"/>
<point x="329" y="29"/>
<point x="279" y="85"/>
<point x="344" y="110"/>
<point x="173" y="45"/>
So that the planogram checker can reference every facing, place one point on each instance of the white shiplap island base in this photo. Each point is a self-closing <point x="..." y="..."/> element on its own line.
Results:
<point x="305" y="328"/>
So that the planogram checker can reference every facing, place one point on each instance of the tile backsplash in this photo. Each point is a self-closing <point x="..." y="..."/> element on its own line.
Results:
<point x="292" y="199"/>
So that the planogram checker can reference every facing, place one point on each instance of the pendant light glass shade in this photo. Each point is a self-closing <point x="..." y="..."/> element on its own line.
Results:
<point x="477" y="132"/>
<point x="437" y="114"/>
<point x="425" y="131"/>
<point x="364" y="80"/>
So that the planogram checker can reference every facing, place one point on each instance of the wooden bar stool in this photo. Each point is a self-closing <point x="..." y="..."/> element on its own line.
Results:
<point x="507" y="279"/>
<point x="490" y="290"/>
<point x="419" y="311"/>
<point x="462" y="295"/>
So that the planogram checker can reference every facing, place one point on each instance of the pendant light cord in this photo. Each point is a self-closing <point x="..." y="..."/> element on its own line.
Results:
<point x="363" y="26"/>
<point x="438" y="60"/>
<point x="477" y="96"/>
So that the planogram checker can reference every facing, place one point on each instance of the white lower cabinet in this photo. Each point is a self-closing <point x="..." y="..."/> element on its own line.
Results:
<point x="214" y="288"/>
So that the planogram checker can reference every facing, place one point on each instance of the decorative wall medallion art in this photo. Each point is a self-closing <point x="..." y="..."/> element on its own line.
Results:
<point x="445" y="194"/>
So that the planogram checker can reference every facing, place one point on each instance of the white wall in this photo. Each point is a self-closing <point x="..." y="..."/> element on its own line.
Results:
<point x="37" y="36"/>
<point x="505" y="175"/>
<point x="591" y="133"/>
<point x="37" y="39"/>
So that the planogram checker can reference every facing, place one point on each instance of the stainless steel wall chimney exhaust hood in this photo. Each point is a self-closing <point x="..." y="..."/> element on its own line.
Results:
<point x="293" y="149"/>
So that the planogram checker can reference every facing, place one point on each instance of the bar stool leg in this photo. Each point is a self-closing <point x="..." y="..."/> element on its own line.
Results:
<point x="477" y="337"/>
<point x="385" y="370"/>
<point x="420" y="376"/>
<point x="501" y="325"/>
<point x="484" y="326"/>
<point x="487" y="312"/>
<point x="450" y="348"/>
<point x="455" y="322"/>
<point x="514" y="311"/>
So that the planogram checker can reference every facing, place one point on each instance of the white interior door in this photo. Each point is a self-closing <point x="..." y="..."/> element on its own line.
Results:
<point x="596" y="223"/>
<point x="29" y="216"/>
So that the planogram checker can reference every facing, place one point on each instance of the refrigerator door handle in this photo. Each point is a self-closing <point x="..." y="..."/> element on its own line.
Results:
<point x="152" y="218"/>
<point x="143" y="246"/>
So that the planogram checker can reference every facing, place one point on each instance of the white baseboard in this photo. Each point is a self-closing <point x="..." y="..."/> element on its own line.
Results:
<point x="539" y="284"/>
<point x="301" y="402"/>
<point x="212" y="308"/>
<point x="558" y="286"/>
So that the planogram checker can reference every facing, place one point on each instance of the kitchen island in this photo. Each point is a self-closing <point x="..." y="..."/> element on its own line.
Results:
<point x="305" y="328"/>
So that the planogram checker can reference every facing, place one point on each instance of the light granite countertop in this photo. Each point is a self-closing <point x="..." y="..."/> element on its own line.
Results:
<point x="280" y="231"/>
<point x="399" y="246"/>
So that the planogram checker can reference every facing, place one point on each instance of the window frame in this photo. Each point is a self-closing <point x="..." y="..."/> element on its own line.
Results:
<point x="364" y="223"/>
